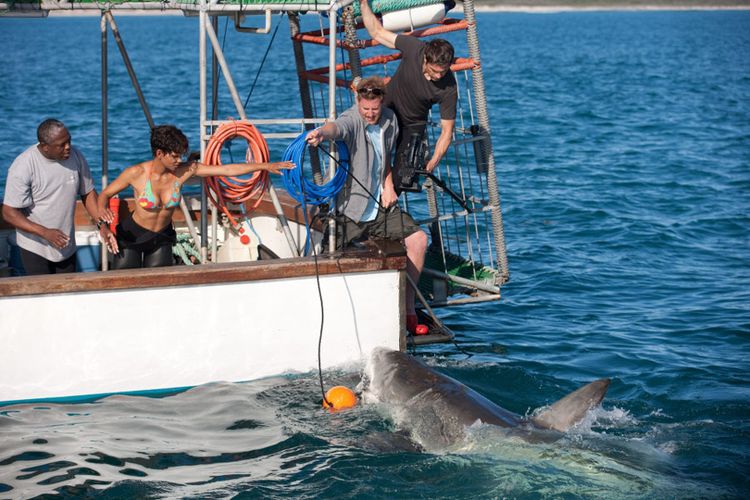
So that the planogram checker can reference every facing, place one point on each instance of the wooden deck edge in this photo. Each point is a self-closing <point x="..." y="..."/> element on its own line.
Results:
<point x="369" y="260"/>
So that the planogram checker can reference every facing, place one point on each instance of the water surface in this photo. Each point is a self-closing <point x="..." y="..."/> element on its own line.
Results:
<point x="622" y="142"/>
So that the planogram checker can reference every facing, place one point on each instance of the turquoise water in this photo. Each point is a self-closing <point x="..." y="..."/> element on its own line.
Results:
<point x="623" y="149"/>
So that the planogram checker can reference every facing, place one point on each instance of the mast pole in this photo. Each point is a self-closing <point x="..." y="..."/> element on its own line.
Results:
<point x="202" y="120"/>
<point x="105" y="129"/>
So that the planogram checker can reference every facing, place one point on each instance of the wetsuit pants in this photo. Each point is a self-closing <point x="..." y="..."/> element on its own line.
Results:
<point x="140" y="247"/>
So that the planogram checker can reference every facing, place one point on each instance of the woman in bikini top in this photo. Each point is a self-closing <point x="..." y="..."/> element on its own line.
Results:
<point x="158" y="182"/>
<point x="148" y="201"/>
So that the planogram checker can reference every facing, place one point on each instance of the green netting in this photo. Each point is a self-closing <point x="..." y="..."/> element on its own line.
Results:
<point x="456" y="266"/>
<point x="185" y="250"/>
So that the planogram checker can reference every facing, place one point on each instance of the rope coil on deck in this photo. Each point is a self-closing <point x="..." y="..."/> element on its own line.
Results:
<point x="228" y="189"/>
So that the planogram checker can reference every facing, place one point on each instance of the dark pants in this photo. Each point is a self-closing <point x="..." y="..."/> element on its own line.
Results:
<point x="35" y="264"/>
<point x="130" y="258"/>
<point x="392" y="224"/>
<point x="140" y="247"/>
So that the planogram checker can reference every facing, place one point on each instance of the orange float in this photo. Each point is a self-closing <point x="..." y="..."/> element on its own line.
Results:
<point x="340" y="398"/>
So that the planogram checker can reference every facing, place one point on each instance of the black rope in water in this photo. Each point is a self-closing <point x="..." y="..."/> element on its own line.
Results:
<point x="322" y="322"/>
<point x="320" y="291"/>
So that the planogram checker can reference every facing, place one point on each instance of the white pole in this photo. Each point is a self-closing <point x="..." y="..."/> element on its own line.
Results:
<point x="332" y="108"/>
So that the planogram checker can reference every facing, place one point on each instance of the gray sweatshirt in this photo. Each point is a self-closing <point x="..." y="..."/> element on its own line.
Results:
<point x="351" y="129"/>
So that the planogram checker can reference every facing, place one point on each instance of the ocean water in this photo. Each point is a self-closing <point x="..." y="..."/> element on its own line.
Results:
<point x="622" y="143"/>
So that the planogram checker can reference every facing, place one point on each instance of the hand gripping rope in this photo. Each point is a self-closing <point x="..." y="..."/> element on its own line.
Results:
<point x="225" y="189"/>
<point x="303" y="190"/>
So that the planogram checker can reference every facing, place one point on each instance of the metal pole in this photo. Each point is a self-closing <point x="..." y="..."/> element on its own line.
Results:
<point x="146" y="110"/>
<point x="105" y="118"/>
<point x="203" y="138"/>
<point x="304" y="91"/>
<point x="214" y="114"/>
<point x="129" y="67"/>
<point x="214" y="78"/>
<point x="241" y="110"/>
<point x="332" y="108"/>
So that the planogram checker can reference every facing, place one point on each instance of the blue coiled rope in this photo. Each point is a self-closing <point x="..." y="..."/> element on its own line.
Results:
<point x="305" y="191"/>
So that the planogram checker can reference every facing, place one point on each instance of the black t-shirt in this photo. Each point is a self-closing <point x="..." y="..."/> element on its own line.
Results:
<point x="410" y="95"/>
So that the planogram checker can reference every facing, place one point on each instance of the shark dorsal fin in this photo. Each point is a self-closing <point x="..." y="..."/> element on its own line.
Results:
<point x="568" y="411"/>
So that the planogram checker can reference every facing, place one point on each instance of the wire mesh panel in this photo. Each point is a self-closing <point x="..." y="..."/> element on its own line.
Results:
<point x="454" y="207"/>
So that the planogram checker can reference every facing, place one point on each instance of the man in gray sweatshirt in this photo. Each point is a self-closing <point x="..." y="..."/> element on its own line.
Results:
<point x="369" y="201"/>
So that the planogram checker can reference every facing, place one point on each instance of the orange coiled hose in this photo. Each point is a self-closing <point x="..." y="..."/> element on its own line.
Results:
<point x="227" y="189"/>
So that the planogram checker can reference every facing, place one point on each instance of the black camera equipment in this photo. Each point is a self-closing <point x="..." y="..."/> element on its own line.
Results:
<point x="410" y="163"/>
<point x="410" y="160"/>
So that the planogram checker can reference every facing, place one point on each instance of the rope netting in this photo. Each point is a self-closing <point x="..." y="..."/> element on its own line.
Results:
<point x="466" y="244"/>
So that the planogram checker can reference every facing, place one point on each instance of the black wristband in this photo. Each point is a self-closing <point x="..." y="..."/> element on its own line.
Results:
<point x="100" y="223"/>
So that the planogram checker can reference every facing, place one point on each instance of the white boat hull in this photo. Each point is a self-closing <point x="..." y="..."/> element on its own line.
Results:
<point x="92" y="342"/>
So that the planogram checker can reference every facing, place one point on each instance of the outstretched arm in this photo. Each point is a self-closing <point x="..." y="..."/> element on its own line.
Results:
<point x="325" y="133"/>
<point x="375" y="27"/>
<point x="441" y="146"/>
<point x="232" y="169"/>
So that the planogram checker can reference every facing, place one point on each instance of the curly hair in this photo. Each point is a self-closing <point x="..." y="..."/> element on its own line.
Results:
<point x="169" y="139"/>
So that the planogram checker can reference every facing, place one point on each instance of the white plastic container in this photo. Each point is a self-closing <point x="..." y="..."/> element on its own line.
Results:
<point x="239" y="247"/>
<point x="411" y="19"/>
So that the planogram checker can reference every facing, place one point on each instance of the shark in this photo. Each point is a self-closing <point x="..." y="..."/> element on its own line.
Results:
<point x="438" y="410"/>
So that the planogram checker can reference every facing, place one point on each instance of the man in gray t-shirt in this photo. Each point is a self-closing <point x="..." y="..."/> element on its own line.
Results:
<point x="40" y="199"/>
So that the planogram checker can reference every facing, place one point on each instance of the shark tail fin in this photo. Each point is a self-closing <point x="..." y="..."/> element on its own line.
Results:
<point x="568" y="411"/>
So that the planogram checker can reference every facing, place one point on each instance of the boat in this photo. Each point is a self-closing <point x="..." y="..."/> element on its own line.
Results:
<point x="262" y="291"/>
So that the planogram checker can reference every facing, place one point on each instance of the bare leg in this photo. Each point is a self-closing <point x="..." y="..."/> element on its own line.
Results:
<point x="416" y="246"/>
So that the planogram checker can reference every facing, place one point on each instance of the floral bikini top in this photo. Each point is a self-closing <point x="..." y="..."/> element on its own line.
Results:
<point x="148" y="201"/>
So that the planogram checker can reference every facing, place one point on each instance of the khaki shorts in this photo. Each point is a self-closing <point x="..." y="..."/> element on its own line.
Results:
<point x="392" y="224"/>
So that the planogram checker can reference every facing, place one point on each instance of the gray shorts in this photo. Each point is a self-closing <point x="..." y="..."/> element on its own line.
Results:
<point x="392" y="224"/>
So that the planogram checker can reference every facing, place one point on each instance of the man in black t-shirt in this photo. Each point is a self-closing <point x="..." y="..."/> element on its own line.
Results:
<point x="422" y="79"/>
